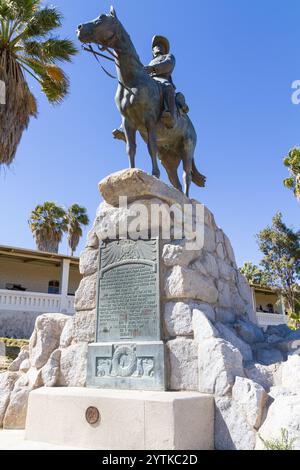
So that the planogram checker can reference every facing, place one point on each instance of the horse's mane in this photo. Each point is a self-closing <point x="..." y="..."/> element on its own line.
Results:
<point x="130" y="46"/>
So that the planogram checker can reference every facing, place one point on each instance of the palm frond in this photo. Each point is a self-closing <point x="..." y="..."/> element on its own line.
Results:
<point x="77" y="217"/>
<point x="53" y="81"/>
<point x="54" y="90"/>
<point x="32" y="105"/>
<point x="51" y="50"/>
<point x="55" y="73"/>
<point x="21" y="10"/>
<point x="14" y="15"/>
<point x="43" y="22"/>
<point x="48" y="224"/>
<point x="26" y="51"/>
<point x="35" y="65"/>
<point x="7" y="10"/>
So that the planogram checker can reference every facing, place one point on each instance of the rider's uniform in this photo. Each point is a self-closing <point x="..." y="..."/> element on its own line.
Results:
<point x="164" y="66"/>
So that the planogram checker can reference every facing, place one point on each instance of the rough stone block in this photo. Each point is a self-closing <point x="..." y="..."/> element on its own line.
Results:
<point x="203" y="329"/>
<point x="178" y="319"/>
<point x="46" y="337"/>
<point x="232" y="430"/>
<point x="251" y="398"/>
<point x="183" y="283"/>
<point x="229" y="335"/>
<point x="89" y="261"/>
<point x="182" y="356"/>
<point x="219" y="364"/>
<point x="73" y="366"/>
<point x="85" y="297"/>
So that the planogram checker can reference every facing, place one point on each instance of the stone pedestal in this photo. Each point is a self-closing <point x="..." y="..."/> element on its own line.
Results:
<point x="153" y="312"/>
<point x="129" y="420"/>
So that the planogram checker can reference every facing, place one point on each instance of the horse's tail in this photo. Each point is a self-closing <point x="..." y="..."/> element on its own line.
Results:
<point x="197" y="178"/>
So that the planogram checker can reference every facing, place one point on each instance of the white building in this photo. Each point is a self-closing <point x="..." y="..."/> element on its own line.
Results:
<point x="32" y="283"/>
<point x="269" y="306"/>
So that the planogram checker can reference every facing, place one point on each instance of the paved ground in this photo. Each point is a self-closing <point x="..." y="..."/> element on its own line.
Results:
<point x="14" y="440"/>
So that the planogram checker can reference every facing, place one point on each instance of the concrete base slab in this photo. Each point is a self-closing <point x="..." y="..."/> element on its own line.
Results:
<point x="129" y="420"/>
<point x="15" y="440"/>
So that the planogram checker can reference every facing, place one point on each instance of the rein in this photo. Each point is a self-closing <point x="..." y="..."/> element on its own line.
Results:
<point x="99" y="54"/>
<point x="90" y="49"/>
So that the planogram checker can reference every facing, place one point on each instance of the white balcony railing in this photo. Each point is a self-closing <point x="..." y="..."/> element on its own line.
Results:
<point x="266" y="319"/>
<point x="35" y="302"/>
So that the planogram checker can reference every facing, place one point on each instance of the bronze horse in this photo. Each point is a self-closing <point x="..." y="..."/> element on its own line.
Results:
<point x="139" y="99"/>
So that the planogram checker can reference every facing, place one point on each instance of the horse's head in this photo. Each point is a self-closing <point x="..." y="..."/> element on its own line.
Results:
<point x="102" y="30"/>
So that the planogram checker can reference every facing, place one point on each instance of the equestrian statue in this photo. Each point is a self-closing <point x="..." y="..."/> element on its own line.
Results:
<point x="147" y="100"/>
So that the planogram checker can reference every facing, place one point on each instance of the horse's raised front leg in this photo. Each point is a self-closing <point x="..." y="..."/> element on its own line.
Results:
<point x="130" y="133"/>
<point x="153" y="150"/>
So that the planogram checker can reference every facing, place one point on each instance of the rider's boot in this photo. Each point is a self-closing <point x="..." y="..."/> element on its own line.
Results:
<point x="169" y="115"/>
<point x="119" y="134"/>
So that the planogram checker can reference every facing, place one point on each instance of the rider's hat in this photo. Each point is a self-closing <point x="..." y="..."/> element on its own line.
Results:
<point x="161" y="40"/>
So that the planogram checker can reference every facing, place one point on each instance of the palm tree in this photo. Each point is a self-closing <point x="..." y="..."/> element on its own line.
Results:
<point x="27" y="49"/>
<point x="48" y="222"/>
<point x="77" y="217"/>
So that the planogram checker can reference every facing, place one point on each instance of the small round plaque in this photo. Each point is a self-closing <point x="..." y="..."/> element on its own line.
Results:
<point x="92" y="415"/>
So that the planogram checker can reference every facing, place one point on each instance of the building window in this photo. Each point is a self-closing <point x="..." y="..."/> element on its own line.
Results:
<point x="53" y="287"/>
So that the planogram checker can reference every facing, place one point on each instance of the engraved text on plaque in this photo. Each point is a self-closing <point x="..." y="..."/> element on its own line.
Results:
<point x="128" y="291"/>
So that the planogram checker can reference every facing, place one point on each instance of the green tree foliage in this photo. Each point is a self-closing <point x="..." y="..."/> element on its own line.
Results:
<point x="292" y="161"/>
<point x="48" y="222"/>
<point x="76" y="217"/>
<point x="29" y="49"/>
<point x="253" y="274"/>
<point x="284" y="443"/>
<point x="294" y="315"/>
<point x="281" y="263"/>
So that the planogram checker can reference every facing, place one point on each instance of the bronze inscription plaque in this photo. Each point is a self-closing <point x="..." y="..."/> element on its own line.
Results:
<point x="128" y="291"/>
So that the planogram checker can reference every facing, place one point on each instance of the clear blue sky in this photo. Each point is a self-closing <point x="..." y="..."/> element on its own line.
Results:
<point x="236" y="61"/>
